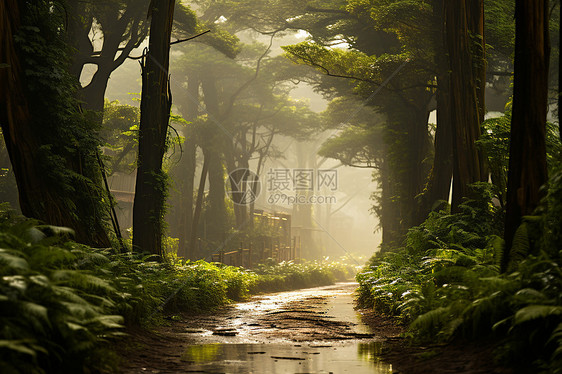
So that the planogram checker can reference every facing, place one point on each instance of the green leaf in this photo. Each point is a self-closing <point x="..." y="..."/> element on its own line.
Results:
<point x="18" y="346"/>
<point x="533" y="312"/>
<point x="13" y="262"/>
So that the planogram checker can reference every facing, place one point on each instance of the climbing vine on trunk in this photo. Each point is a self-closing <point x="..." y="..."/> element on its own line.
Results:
<point x="156" y="102"/>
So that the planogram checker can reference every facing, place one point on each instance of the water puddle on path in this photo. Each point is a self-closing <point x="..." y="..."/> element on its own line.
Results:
<point x="356" y="358"/>
<point x="307" y="331"/>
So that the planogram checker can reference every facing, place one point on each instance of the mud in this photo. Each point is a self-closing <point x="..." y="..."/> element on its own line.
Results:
<point x="306" y="331"/>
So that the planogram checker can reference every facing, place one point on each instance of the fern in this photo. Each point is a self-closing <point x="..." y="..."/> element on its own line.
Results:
<point x="534" y="312"/>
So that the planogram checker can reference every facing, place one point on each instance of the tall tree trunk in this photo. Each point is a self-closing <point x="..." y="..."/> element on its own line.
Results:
<point x="216" y="214"/>
<point x="527" y="149"/>
<point x="303" y="213"/>
<point x="464" y="25"/>
<point x="192" y="248"/>
<point x="181" y="215"/>
<point x="407" y="170"/>
<point x="418" y="146"/>
<point x="23" y="123"/>
<point x="233" y="163"/>
<point x="15" y="116"/>
<point x="439" y="183"/>
<point x="387" y="209"/>
<point x="560" y="72"/>
<point x="156" y="101"/>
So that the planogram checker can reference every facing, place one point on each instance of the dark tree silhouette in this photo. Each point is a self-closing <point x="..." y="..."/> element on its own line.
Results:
<point x="57" y="183"/>
<point x="527" y="150"/>
<point x="464" y="32"/>
<point x="156" y="102"/>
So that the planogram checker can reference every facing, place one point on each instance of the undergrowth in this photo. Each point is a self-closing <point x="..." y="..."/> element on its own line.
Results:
<point x="289" y="275"/>
<point x="445" y="280"/>
<point x="61" y="301"/>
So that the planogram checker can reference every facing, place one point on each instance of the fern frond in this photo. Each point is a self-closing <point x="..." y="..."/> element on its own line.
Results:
<point x="19" y="346"/>
<point x="520" y="247"/>
<point x="533" y="312"/>
<point x="432" y="321"/>
<point x="11" y="263"/>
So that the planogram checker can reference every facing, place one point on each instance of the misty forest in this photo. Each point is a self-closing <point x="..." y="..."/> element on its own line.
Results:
<point x="280" y="186"/>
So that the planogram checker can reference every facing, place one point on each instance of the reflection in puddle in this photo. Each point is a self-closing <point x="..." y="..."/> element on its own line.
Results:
<point x="354" y="358"/>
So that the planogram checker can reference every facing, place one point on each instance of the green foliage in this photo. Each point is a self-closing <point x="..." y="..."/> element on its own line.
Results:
<point x="120" y="129"/>
<point x="446" y="283"/>
<point x="289" y="275"/>
<point x="494" y="142"/>
<point x="66" y="137"/>
<point x="53" y="313"/>
<point x="60" y="301"/>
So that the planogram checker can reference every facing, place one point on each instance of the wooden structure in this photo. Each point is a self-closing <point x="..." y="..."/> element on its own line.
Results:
<point x="249" y="255"/>
<point x="278" y="245"/>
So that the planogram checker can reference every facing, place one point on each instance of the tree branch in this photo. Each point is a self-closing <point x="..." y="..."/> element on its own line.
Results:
<point x="245" y="85"/>
<point x="190" y="38"/>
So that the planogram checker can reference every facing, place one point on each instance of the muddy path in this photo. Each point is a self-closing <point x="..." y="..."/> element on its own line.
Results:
<point x="306" y="331"/>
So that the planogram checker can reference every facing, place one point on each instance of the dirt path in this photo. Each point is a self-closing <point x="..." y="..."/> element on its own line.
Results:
<point x="305" y="331"/>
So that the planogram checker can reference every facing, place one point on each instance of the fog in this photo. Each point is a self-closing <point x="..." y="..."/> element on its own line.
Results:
<point x="343" y="225"/>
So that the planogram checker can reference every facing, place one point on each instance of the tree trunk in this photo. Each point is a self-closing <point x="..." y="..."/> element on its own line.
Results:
<point x="156" y="101"/>
<point x="192" y="248"/>
<point x="387" y="209"/>
<point x="418" y="147"/>
<point x="527" y="149"/>
<point x="464" y="26"/>
<point x="439" y="183"/>
<point x="181" y="215"/>
<point x="216" y="215"/>
<point x="237" y="162"/>
<point x="21" y="121"/>
<point x="559" y="73"/>
<point x="116" y="25"/>
<point x="407" y="147"/>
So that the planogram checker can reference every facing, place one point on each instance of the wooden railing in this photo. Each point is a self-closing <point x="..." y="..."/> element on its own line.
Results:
<point x="249" y="256"/>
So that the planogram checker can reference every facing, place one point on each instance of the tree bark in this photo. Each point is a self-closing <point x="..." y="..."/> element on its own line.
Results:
<point x="21" y="121"/>
<point x="156" y="101"/>
<point x="216" y="214"/>
<point x="192" y="248"/>
<point x="181" y="215"/>
<point x="235" y="161"/>
<point x="408" y="144"/>
<point x="464" y="26"/>
<point x="439" y="183"/>
<point x="527" y="149"/>
<point x="559" y="73"/>
<point x="387" y="209"/>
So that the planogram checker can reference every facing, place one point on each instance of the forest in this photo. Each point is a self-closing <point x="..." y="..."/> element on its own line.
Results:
<point x="178" y="173"/>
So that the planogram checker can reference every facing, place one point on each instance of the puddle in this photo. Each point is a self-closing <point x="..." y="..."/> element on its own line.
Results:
<point x="357" y="358"/>
<point x="269" y="337"/>
<point x="306" y="331"/>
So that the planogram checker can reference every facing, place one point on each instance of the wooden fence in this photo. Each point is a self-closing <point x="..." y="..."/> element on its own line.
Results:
<point x="247" y="256"/>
